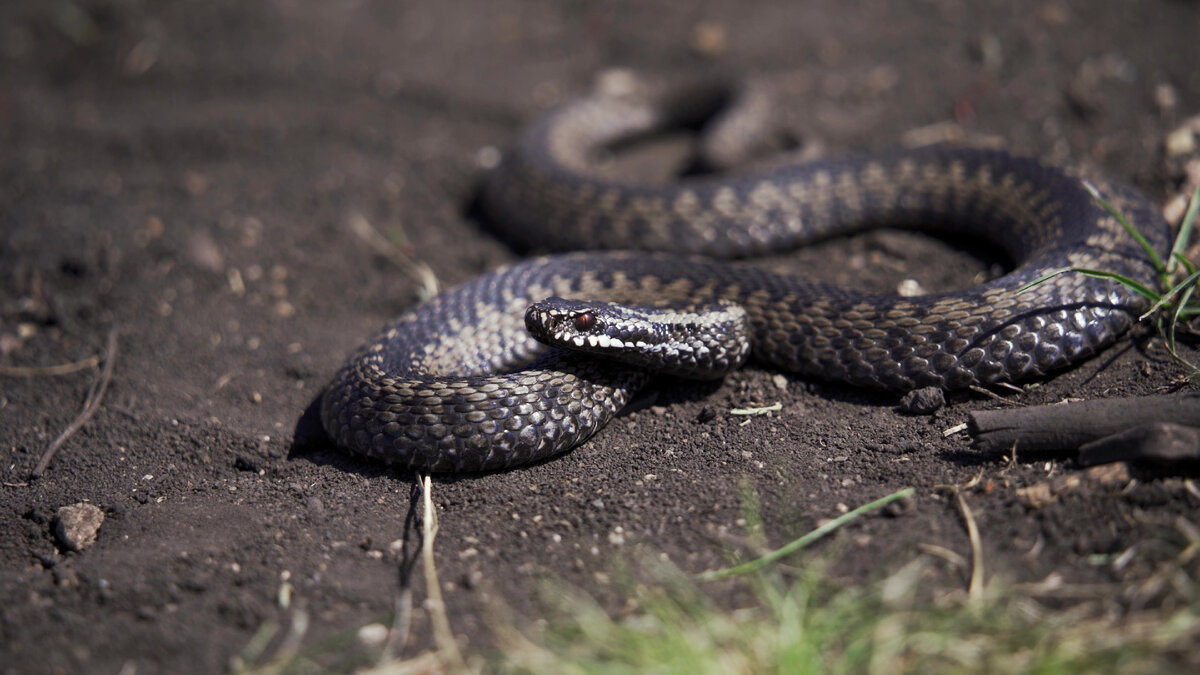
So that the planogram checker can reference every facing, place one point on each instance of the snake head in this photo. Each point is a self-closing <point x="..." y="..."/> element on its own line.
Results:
<point x="703" y="343"/>
<point x="594" y="327"/>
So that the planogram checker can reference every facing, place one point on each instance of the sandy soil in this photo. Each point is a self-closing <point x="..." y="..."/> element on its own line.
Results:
<point x="188" y="175"/>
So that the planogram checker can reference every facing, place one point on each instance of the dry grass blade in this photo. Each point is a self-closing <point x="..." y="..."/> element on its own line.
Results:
<point x="401" y="624"/>
<point x="416" y="270"/>
<point x="60" y="369"/>
<point x="447" y="648"/>
<point x="975" y="589"/>
<point x="90" y="405"/>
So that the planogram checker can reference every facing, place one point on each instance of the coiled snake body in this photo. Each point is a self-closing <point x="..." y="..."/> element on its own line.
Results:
<point x="458" y="384"/>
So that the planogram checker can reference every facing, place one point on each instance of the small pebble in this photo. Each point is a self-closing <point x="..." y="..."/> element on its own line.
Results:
<point x="1180" y="142"/>
<point x="372" y="635"/>
<point x="77" y="525"/>
<point x="909" y="288"/>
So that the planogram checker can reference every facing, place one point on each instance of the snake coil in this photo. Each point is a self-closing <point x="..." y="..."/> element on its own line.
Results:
<point x="458" y="384"/>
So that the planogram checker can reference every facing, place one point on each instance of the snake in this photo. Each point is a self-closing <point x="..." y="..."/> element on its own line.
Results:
<point x="459" y="383"/>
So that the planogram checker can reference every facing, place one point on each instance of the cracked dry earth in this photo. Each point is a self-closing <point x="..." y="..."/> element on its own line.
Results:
<point x="194" y="176"/>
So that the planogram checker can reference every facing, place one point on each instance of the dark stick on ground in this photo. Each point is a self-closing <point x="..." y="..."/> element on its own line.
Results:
<point x="1070" y="426"/>
<point x="90" y="405"/>
<point x="1163" y="442"/>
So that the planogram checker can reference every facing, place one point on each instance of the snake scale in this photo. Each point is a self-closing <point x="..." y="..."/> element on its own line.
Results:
<point x="459" y="384"/>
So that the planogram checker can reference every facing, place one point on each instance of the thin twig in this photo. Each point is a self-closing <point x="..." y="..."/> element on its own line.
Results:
<point x="442" y="635"/>
<point x="975" y="589"/>
<point x="403" y="602"/>
<point x="401" y="623"/>
<point x="90" y="405"/>
<point x="991" y="394"/>
<point x="292" y="641"/>
<point x="60" y="369"/>
<point x="417" y="270"/>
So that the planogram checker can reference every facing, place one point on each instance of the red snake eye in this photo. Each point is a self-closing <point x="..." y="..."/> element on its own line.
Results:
<point x="584" y="322"/>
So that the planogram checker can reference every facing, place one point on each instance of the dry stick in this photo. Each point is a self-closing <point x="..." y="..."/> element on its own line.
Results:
<point x="975" y="589"/>
<point x="60" y="369"/>
<point x="403" y="601"/>
<point x="401" y="623"/>
<point x="417" y="270"/>
<point x="991" y="394"/>
<point x="1164" y="442"/>
<point x="90" y="405"/>
<point x="1068" y="426"/>
<point x="292" y="641"/>
<point x="442" y="635"/>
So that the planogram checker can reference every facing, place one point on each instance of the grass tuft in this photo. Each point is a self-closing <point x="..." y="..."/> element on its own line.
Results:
<point x="808" y="624"/>
<point x="1171" y="303"/>
<point x="798" y="622"/>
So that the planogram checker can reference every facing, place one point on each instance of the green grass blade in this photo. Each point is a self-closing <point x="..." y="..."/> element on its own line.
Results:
<point x="1044" y="278"/>
<point x="1185" y="230"/>
<point x="1130" y="283"/>
<point x="1187" y="264"/>
<point x="807" y="539"/>
<point x="1133" y="231"/>
<point x="1183" y="300"/>
<point x="1175" y="319"/>
<point x="1188" y="284"/>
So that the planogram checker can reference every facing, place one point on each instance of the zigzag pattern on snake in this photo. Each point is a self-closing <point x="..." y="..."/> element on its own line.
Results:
<point x="458" y="384"/>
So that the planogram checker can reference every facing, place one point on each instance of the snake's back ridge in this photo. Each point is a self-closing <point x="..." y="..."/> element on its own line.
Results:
<point x="457" y="384"/>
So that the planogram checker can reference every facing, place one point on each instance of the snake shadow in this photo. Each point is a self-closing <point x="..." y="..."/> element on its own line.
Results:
<point x="311" y="443"/>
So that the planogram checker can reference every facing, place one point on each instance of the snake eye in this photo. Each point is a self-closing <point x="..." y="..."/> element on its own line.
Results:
<point x="584" y="322"/>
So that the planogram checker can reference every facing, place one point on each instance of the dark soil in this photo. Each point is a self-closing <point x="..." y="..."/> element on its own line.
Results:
<point x="186" y="173"/>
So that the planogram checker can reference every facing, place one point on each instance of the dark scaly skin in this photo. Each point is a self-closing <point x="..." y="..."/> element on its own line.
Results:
<point x="436" y="390"/>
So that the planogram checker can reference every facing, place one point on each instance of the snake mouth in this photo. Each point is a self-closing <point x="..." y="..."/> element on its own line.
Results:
<point x="583" y="326"/>
<point x="700" y="342"/>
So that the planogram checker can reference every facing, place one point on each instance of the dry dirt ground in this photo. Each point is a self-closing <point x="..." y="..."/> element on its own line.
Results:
<point x="190" y="173"/>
